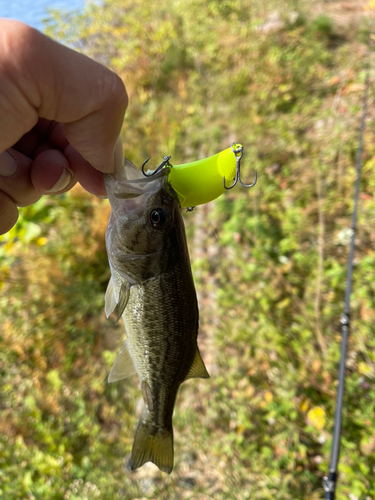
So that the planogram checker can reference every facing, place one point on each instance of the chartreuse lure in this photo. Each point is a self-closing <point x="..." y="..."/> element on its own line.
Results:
<point x="204" y="180"/>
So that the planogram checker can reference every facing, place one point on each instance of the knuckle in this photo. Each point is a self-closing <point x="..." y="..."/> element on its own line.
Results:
<point x="28" y="199"/>
<point x="115" y="90"/>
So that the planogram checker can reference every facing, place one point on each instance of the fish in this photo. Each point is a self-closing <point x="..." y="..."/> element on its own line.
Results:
<point x="152" y="290"/>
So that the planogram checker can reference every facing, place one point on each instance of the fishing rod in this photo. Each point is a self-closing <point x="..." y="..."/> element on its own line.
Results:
<point x="330" y="481"/>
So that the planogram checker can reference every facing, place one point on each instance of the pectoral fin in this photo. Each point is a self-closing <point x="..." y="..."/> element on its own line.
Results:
<point x="123" y="300"/>
<point x="197" y="369"/>
<point x="123" y="366"/>
<point x="110" y="298"/>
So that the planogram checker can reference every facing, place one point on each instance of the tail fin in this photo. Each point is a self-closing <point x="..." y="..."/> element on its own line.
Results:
<point x="152" y="448"/>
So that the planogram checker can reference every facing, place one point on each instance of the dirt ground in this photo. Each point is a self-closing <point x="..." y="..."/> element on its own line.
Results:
<point x="345" y="13"/>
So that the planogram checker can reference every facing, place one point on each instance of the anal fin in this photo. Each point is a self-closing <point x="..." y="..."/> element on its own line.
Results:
<point x="147" y="395"/>
<point x="197" y="369"/>
<point x="123" y="366"/>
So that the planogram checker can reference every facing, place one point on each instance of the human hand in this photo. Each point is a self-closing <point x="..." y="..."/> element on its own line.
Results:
<point x="60" y="118"/>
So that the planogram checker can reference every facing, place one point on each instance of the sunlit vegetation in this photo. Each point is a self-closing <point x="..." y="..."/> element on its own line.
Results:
<point x="269" y="265"/>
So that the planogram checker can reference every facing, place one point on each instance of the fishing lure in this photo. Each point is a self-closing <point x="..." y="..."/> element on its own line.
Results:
<point x="204" y="180"/>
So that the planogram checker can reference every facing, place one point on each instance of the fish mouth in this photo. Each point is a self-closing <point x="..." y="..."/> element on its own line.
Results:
<point x="129" y="190"/>
<point x="132" y="179"/>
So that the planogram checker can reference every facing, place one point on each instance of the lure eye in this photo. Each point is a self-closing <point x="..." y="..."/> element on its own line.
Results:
<point x="158" y="217"/>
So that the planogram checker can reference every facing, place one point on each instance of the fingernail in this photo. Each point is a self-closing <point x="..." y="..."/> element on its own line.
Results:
<point x="118" y="156"/>
<point x="8" y="166"/>
<point x="102" y="197"/>
<point x="63" y="182"/>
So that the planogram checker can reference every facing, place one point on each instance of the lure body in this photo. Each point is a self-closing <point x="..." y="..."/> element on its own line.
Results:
<point x="202" y="181"/>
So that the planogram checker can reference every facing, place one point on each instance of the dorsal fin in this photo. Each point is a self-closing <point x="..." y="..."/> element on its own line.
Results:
<point x="123" y="366"/>
<point x="197" y="369"/>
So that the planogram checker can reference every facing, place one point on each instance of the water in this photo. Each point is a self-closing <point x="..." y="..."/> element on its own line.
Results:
<point x="32" y="12"/>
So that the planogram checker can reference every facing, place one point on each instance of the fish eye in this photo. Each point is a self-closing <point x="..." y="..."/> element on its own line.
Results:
<point x="157" y="217"/>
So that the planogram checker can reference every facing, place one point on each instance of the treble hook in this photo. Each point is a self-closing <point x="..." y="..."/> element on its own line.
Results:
<point x="160" y="167"/>
<point x="236" y="148"/>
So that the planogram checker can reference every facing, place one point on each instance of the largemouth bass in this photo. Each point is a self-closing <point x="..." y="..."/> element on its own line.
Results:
<point x="153" y="290"/>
